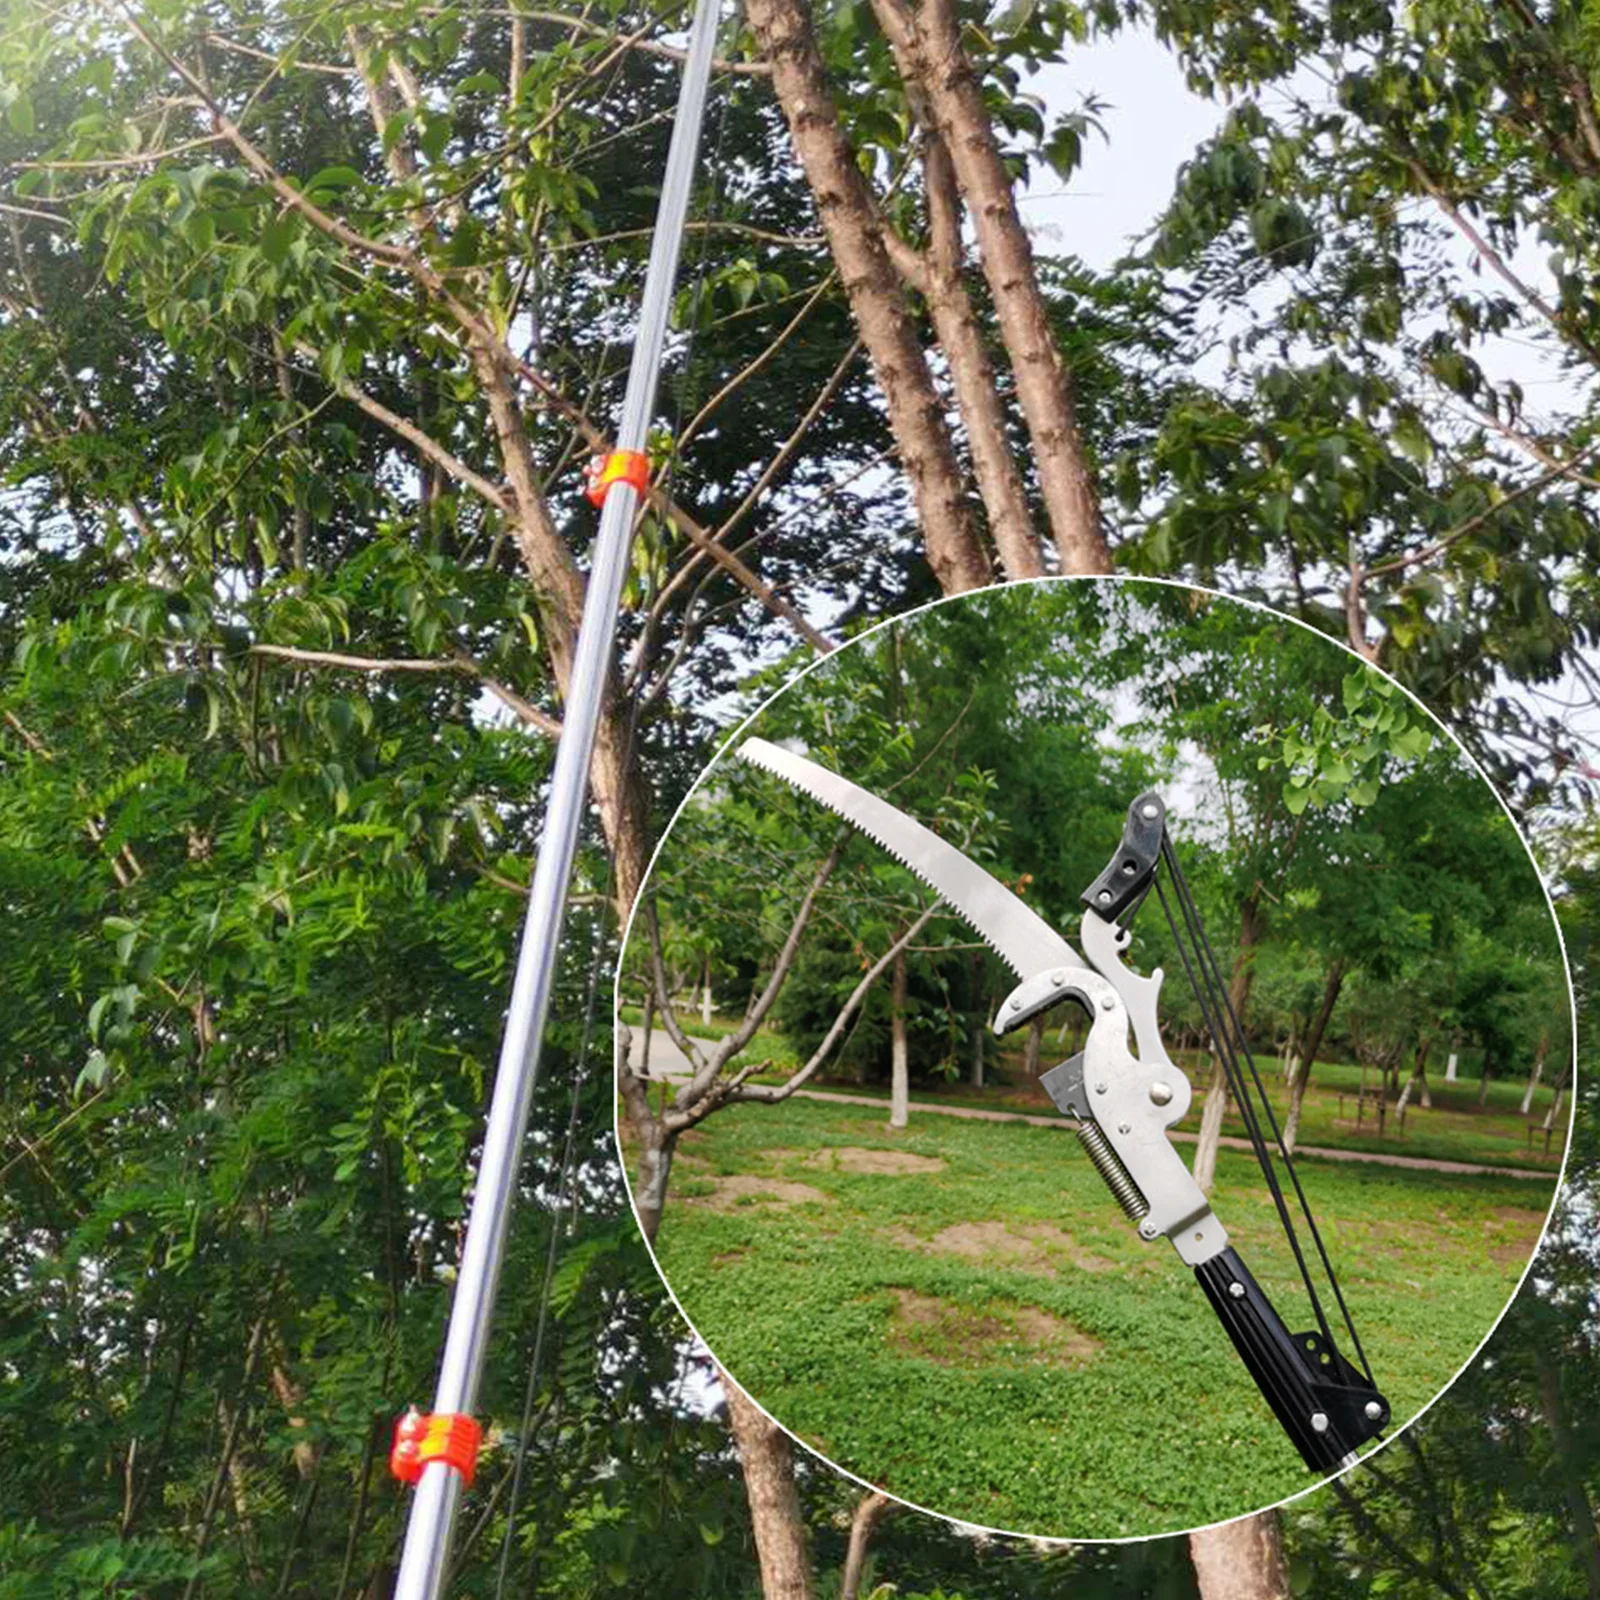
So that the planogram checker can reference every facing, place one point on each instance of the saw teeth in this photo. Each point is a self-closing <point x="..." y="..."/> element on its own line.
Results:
<point x="758" y="757"/>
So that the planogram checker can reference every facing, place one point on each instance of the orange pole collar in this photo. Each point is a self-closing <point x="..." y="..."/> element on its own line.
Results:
<point x="621" y="466"/>
<point x="420" y="1438"/>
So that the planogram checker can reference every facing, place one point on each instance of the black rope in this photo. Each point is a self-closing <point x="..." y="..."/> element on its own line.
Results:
<point x="1228" y="1034"/>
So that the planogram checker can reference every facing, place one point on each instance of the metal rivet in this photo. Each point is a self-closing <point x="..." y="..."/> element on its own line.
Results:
<point x="1319" y="1422"/>
<point x="1100" y="1088"/>
<point x="1016" y="1004"/>
<point x="1236" y="1290"/>
<point x="1107" y="1002"/>
<point x="1161" y="1093"/>
<point x="1124" y="1127"/>
<point x="1129" y="868"/>
<point x="1104" y="896"/>
<point x="1150" y="812"/>
<point x="1057" y="979"/>
<point x="1374" y="1410"/>
<point x="1147" y="1230"/>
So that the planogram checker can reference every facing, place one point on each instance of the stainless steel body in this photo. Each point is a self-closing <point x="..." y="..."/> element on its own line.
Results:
<point x="426" y="1554"/>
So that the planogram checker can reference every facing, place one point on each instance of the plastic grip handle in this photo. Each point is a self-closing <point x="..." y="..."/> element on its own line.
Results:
<point x="1326" y="1406"/>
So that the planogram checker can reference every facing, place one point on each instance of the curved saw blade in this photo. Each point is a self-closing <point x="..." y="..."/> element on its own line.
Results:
<point x="1016" y="932"/>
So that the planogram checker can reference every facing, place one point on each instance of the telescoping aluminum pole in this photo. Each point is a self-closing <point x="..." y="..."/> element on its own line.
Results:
<point x="428" y="1534"/>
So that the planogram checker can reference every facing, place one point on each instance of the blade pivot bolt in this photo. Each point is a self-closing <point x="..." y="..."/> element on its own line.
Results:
<point x="1161" y="1093"/>
<point x="1373" y="1410"/>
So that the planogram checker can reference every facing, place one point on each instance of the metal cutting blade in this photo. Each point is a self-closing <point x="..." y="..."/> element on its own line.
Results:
<point x="1015" y="931"/>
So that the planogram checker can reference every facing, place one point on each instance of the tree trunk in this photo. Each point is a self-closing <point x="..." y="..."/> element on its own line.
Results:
<point x="656" y="1148"/>
<point x="855" y="236"/>
<point x="1205" y="1149"/>
<point x="780" y="1533"/>
<point x="927" y="46"/>
<point x="938" y="278"/>
<point x="1034" y="1044"/>
<point x="899" y="1071"/>
<point x="869" y="1513"/>
<point x="978" y="1032"/>
<point x="1483" y="1082"/>
<point x="1308" y="1053"/>
<point x="1241" y="1560"/>
<point x="705" y="993"/>
<point x="1536" y="1074"/>
<point x="1555" y="1109"/>
<point x="1205" y="1153"/>
<point x="1417" y="1078"/>
<point x="1586" y="1545"/>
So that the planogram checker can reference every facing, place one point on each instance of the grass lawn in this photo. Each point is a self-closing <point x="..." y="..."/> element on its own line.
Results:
<point x="961" y="1313"/>
<point x="1455" y="1128"/>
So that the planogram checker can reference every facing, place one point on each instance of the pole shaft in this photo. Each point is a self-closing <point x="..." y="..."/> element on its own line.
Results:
<point x="428" y="1534"/>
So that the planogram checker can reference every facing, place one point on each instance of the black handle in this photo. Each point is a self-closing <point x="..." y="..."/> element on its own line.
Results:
<point x="1326" y="1406"/>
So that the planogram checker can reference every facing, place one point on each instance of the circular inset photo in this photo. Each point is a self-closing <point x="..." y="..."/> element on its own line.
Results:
<point x="1094" y="1058"/>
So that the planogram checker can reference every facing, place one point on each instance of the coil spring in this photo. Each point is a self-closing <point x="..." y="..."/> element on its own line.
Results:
<point x="1107" y="1164"/>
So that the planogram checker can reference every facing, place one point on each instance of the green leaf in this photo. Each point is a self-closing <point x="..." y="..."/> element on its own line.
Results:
<point x="93" y="1072"/>
<point x="19" y="114"/>
<point x="276" y="237"/>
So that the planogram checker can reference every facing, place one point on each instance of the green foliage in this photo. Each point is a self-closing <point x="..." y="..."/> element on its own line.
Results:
<point x="1342" y="758"/>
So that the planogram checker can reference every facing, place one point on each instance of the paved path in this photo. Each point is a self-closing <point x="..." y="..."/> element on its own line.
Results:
<point x="668" y="1061"/>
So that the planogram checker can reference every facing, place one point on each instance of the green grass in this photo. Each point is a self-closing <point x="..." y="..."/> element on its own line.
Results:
<point x="1454" y="1129"/>
<point x="1079" y="1388"/>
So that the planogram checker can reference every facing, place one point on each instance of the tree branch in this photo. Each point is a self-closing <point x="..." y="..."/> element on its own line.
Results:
<point x="772" y="1094"/>
<point x="459" y="662"/>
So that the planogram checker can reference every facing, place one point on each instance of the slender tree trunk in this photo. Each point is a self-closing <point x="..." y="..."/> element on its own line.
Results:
<point x="869" y="1513"/>
<point x="899" y="1070"/>
<point x="938" y="277"/>
<point x="1205" y="1149"/>
<point x="1308" y="1052"/>
<point x="927" y="46"/>
<point x="1555" y="1108"/>
<point x="780" y="1533"/>
<point x="1580" y="1513"/>
<point x="855" y="236"/>
<point x="1536" y="1074"/>
<point x="1035" y="1043"/>
<point x="705" y="993"/>
<point x="1417" y="1079"/>
<point x="1483" y="1082"/>
<point x="1205" y="1152"/>
<point x="656" y="1149"/>
<point x="978" y="1032"/>
<point x="1241" y="1560"/>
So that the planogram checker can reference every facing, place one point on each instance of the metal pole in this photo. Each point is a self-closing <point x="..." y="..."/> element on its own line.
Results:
<point x="428" y="1534"/>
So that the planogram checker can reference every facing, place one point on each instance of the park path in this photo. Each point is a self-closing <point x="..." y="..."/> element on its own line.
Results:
<point x="668" y="1061"/>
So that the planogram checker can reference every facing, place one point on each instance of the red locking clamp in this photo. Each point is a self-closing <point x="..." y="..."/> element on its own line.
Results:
<point x="621" y="466"/>
<point x="420" y="1438"/>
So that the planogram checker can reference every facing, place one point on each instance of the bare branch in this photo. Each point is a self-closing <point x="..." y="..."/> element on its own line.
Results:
<point x="738" y="1089"/>
<point x="459" y="662"/>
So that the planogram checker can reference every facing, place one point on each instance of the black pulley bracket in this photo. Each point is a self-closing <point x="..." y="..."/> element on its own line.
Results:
<point x="1127" y="879"/>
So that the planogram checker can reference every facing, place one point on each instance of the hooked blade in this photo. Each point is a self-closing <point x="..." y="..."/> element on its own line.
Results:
<point x="1016" y="932"/>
